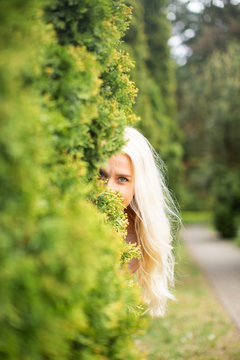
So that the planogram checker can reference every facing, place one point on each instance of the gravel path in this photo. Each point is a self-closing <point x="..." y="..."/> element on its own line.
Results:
<point x="220" y="261"/>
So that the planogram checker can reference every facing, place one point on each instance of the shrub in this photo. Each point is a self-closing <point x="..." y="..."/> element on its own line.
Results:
<point x="63" y="294"/>
<point x="227" y="200"/>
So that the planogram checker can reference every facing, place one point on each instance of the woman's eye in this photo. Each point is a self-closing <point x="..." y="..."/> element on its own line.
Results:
<point x="122" y="179"/>
<point x="102" y="174"/>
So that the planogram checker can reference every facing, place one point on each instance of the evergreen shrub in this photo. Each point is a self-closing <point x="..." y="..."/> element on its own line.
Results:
<point x="226" y="201"/>
<point x="63" y="108"/>
<point x="99" y="91"/>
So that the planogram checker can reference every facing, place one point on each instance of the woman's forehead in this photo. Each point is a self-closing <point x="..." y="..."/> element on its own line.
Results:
<point x="120" y="162"/>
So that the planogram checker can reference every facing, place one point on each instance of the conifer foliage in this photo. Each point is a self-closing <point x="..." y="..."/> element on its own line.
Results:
<point x="65" y="98"/>
<point x="89" y="55"/>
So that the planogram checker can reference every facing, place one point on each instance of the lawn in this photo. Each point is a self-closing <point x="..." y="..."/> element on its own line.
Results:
<point x="190" y="217"/>
<point x="195" y="327"/>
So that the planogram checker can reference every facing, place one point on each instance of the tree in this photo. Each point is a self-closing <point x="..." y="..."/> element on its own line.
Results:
<point x="223" y="126"/>
<point x="210" y="28"/>
<point x="206" y="31"/>
<point x="210" y="118"/>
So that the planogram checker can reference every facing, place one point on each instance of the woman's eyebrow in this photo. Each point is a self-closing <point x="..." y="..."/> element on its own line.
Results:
<point x="104" y="172"/>
<point x="124" y="175"/>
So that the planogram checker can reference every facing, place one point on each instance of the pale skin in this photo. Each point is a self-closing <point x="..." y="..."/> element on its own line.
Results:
<point x="118" y="175"/>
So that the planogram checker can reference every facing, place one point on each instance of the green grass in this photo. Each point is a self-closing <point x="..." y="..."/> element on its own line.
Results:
<point x="193" y="217"/>
<point x="237" y="241"/>
<point x="195" y="327"/>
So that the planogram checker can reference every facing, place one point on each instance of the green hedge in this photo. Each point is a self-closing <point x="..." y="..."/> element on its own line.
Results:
<point x="88" y="75"/>
<point x="66" y="97"/>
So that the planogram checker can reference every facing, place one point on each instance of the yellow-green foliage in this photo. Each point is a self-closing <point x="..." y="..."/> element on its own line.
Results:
<point x="87" y="77"/>
<point x="110" y="204"/>
<point x="63" y="294"/>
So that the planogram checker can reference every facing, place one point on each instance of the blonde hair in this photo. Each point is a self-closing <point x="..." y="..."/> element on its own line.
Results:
<point x="155" y="210"/>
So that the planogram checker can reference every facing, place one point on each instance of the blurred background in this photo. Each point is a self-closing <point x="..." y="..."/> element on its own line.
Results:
<point x="187" y="56"/>
<point x="65" y="100"/>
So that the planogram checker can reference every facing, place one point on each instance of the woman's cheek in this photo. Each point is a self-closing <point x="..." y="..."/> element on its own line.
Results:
<point x="127" y="196"/>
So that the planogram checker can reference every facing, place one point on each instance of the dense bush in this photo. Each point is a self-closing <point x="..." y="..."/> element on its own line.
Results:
<point x="226" y="201"/>
<point x="88" y="75"/>
<point x="63" y="108"/>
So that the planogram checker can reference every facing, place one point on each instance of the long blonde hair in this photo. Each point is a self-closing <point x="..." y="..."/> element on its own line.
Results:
<point x="155" y="211"/>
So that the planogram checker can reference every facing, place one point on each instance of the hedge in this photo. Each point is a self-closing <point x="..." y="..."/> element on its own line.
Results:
<point x="66" y="98"/>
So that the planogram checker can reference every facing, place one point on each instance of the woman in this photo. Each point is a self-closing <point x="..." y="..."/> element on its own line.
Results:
<point x="136" y="173"/>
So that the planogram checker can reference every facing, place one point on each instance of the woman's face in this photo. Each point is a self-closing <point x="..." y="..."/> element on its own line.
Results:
<point x="119" y="176"/>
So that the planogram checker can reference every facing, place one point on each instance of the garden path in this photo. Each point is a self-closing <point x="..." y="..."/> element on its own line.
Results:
<point x="220" y="261"/>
